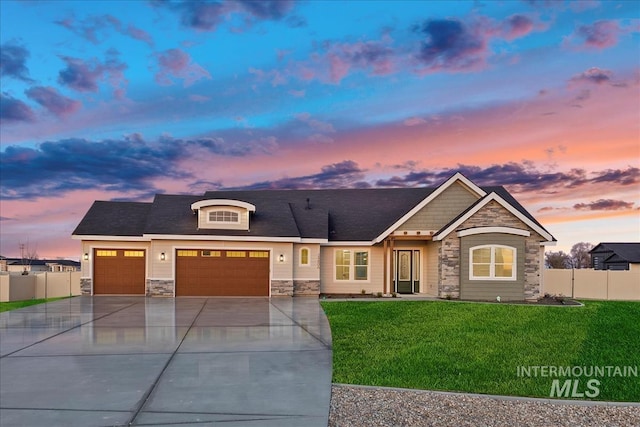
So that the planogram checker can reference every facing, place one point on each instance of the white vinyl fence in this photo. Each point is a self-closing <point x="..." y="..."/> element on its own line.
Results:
<point x="16" y="287"/>
<point x="593" y="284"/>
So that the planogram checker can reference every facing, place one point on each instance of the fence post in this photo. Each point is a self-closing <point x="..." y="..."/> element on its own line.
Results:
<point x="46" y="283"/>
<point x="573" y="281"/>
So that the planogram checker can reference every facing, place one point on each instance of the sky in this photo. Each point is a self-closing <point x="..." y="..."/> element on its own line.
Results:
<point x="121" y="100"/>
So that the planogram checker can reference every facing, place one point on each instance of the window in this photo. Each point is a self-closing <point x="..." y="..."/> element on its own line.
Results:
<point x="492" y="262"/>
<point x="352" y="266"/>
<point x="258" y="254"/>
<point x="135" y="254"/>
<point x="224" y="216"/>
<point x="106" y="253"/>
<point x="187" y="253"/>
<point x="211" y="253"/>
<point x="304" y="256"/>
<point x="236" y="254"/>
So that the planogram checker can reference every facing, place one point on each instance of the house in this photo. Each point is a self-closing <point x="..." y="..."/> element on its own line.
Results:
<point x="615" y="256"/>
<point x="20" y="265"/>
<point x="457" y="240"/>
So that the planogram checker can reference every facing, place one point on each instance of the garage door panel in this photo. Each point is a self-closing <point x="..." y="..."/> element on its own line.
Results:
<point x="119" y="272"/>
<point x="228" y="273"/>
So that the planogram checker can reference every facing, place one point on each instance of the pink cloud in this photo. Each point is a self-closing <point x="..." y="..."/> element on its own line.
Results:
<point x="177" y="64"/>
<point x="599" y="35"/>
<point x="53" y="101"/>
<point x="516" y="26"/>
<point x="85" y="75"/>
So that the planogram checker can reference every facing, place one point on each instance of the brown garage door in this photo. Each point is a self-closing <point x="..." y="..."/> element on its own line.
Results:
<point x="222" y="273"/>
<point x="118" y="271"/>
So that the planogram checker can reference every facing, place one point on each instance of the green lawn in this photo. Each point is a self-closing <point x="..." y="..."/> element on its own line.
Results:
<point x="6" y="306"/>
<point x="478" y="347"/>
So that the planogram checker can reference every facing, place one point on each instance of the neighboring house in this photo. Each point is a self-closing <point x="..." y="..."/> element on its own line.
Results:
<point x="19" y="265"/>
<point x="615" y="256"/>
<point x="454" y="241"/>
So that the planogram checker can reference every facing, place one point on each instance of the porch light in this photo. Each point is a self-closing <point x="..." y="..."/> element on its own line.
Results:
<point x="163" y="256"/>
<point x="86" y="256"/>
<point x="281" y="258"/>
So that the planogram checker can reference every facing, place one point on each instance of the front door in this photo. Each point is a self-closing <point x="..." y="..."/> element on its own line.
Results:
<point x="407" y="274"/>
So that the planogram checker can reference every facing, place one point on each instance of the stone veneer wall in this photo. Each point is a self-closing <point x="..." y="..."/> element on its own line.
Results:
<point x="85" y="286"/>
<point x="493" y="214"/>
<point x="281" y="288"/>
<point x="306" y="287"/>
<point x="160" y="288"/>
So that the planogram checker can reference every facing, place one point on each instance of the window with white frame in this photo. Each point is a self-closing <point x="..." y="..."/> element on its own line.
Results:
<point x="351" y="265"/>
<point x="492" y="262"/>
<point x="224" y="216"/>
<point x="305" y="257"/>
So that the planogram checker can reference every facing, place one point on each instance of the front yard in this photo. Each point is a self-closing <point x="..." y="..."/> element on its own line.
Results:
<point x="481" y="348"/>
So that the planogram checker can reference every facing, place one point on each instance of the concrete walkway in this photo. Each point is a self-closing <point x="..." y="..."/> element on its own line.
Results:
<point x="105" y="361"/>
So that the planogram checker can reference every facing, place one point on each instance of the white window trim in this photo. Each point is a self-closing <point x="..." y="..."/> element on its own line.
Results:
<point x="209" y="221"/>
<point x="514" y="272"/>
<point x="308" y="264"/>
<point x="352" y="266"/>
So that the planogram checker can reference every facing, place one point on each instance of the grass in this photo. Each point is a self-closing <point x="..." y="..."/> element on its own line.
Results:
<point x="13" y="305"/>
<point x="478" y="348"/>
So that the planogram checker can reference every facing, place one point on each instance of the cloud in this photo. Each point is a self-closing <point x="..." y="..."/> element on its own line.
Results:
<point x="177" y="64"/>
<point x="95" y="28"/>
<point x="450" y="44"/>
<point x="85" y="75"/>
<point x="207" y="15"/>
<point x="267" y="9"/>
<point x="13" y="58"/>
<point x="604" y="205"/>
<point x="13" y="110"/>
<point x="599" y="35"/>
<point x="53" y="101"/>
<point x="125" y="165"/>
<point x="593" y="75"/>
<point x="345" y="174"/>
<point x="414" y="121"/>
<point x="518" y="177"/>
<point x="516" y="26"/>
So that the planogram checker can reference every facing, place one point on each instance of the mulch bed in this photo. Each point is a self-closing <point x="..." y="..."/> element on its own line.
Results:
<point x="545" y="300"/>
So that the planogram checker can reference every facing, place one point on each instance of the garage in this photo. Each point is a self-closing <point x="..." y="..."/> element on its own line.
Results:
<point x="222" y="272"/>
<point x="119" y="272"/>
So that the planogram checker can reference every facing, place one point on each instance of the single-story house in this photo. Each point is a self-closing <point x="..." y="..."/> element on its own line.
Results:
<point x="615" y="256"/>
<point x="457" y="240"/>
<point x="20" y="265"/>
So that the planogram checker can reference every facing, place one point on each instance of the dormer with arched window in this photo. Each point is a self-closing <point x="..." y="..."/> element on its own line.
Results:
<point x="223" y="214"/>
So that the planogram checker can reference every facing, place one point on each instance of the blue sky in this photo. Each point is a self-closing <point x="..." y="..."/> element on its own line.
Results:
<point x="119" y="100"/>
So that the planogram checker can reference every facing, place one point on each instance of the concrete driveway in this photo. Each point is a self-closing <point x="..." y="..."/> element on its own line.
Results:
<point x="104" y="361"/>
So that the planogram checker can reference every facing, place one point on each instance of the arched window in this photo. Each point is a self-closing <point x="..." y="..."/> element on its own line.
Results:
<point x="492" y="262"/>
<point x="305" y="257"/>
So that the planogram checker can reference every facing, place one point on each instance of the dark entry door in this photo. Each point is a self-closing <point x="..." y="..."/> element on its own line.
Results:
<point x="407" y="275"/>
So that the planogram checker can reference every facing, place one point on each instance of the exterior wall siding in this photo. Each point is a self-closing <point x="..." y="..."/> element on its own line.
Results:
<point x="329" y="285"/>
<point x="243" y="217"/>
<point x="490" y="289"/>
<point x="493" y="214"/>
<point x="431" y="273"/>
<point x="441" y="210"/>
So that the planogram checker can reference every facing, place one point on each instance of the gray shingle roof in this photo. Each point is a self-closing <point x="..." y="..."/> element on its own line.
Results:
<point x="629" y="252"/>
<point x="336" y="215"/>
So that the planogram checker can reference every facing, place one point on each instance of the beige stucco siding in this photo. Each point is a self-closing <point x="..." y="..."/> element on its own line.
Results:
<point x="306" y="272"/>
<point x="441" y="210"/>
<point x="328" y="282"/>
<point x="490" y="289"/>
